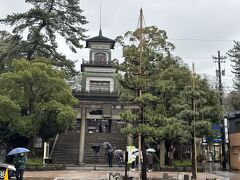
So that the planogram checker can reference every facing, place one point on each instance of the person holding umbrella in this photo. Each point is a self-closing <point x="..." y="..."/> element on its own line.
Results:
<point x="107" y="146"/>
<point x="19" y="161"/>
<point x="150" y="161"/>
<point x="150" y="158"/>
<point x="110" y="157"/>
<point x="119" y="154"/>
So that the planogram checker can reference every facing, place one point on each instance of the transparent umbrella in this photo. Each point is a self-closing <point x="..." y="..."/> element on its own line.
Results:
<point x="18" y="150"/>
<point x="107" y="145"/>
<point x="151" y="150"/>
<point x="117" y="152"/>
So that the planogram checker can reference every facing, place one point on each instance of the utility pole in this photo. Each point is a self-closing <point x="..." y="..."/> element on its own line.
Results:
<point x="221" y="59"/>
<point x="194" y="159"/>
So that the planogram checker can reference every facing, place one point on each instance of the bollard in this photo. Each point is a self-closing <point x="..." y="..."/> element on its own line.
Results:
<point x="186" y="177"/>
<point x="180" y="176"/>
<point x="165" y="175"/>
<point x="110" y="175"/>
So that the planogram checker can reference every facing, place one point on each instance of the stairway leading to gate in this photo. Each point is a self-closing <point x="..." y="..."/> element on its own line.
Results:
<point x="67" y="148"/>
<point x="117" y="140"/>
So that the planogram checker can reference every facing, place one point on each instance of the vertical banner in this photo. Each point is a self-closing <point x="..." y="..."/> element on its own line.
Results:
<point x="226" y="129"/>
<point x="131" y="155"/>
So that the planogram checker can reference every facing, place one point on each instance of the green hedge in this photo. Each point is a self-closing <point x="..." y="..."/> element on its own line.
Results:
<point x="37" y="164"/>
<point x="34" y="162"/>
<point x="183" y="163"/>
<point x="47" y="167"/>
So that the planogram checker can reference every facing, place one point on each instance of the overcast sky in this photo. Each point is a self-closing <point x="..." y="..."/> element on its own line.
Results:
<point x="198" y="28"/>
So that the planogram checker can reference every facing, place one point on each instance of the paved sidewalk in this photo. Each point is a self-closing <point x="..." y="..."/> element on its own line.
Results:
<point x="234" y="175"/>
<point x="102" y="175"/>
<point x="87" y="172"/>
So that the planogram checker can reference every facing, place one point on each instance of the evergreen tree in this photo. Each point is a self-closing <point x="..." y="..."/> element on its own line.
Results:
<point x="8" y="46"/>
<point x="167" y="92"/>
<point x="232" y="101"/>
<point x="42" y="23"/>
<point x="234" y="54"/>
<point x="138" y="73"/>
<point x="34" y="100"/>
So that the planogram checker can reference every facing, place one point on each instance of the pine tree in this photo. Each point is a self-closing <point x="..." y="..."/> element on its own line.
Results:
<point x="234" y="54"/>
<point x="42" y="23"/>
<point x="8" y="44"/>
<point x="167" y="94"/>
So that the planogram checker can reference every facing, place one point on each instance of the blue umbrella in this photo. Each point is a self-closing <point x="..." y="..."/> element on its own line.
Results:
<point x="18" y="150"/>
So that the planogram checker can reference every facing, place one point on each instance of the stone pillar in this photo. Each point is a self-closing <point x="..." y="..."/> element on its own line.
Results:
<point x="162" y="153"/>
<point x="82" y="135"/>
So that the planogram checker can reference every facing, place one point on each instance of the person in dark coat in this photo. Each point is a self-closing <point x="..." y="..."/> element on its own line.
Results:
<point x="110" y="157"/>
<point x="108" y="147"/>
<point x="150" y="161"/>
<point x="19" y="161"/>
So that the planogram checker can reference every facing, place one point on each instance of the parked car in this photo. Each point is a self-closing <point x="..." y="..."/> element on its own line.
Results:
<point x="11" y="170"/>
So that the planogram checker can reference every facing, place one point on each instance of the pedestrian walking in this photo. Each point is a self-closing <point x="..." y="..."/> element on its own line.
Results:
<point x="150" y="161"/>
<point x="120" y="159"/>
<point x="110" y="157"/>
<point x="19" y="162"/>
<point x="210" y="159"/>
<point x="107" y="146"/>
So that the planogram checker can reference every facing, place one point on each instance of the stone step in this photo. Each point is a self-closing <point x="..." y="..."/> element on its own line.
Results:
<point x="60" y="147"/>
<point x="118" y="141"/>
<point x="66" y="154"/>
<point x="66" y="149"/>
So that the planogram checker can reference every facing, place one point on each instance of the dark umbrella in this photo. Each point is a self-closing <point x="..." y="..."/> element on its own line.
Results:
<point x="96" y="148"/>
<point x="18" y="150"/>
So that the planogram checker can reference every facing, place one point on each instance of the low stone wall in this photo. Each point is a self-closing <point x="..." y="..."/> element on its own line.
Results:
<point x="51" y="167"/>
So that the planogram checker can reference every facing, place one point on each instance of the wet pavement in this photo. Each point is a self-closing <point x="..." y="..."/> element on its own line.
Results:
<point x="234" y="175"/>
<point x="87" y="172"/>
<point x="103" y="175"/>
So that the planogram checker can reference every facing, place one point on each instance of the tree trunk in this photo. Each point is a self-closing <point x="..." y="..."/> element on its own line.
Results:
<point x="162" y="153"/>
<point x="194" y="165"/>
<point x="144" y="169"/>
<point x="181" y="152"/>
<point x="171" y="154"/>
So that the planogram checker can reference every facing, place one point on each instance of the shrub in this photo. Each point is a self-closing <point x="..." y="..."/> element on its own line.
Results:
<point x="34" y="162"/>
<point x="183" y="163"/>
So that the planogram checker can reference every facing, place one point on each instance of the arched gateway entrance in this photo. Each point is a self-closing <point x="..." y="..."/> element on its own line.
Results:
<point x="99" y="128"/>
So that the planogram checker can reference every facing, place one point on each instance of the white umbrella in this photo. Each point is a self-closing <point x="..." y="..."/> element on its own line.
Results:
<point x="107" y="145"/>
<point x="135" y="150"/>
<point x="136" y="153"/>
<point x="151" y="150"/>
<point x="118" y="151"/>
